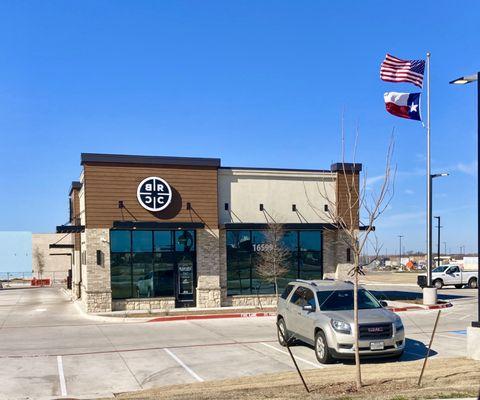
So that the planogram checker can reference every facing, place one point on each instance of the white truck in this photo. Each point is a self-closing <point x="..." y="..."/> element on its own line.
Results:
<point x="450" y="275"/>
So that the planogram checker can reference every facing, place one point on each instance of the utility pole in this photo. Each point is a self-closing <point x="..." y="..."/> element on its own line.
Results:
<point x="438" y="240"/>
<point x="400" y="251"/>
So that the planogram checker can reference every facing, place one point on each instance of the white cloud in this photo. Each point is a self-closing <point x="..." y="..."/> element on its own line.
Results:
<point x="469" y="169"/>
<point x="374" y="179"/>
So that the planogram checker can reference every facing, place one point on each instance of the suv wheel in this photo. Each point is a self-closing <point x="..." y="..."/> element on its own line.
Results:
<point x="282" y="340"/>
<point x="438" y="284"/>
<point x="322" y="352"/>
<point x="472" y="283"/>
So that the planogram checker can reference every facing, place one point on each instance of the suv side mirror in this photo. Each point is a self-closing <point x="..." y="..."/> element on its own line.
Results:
<point x="383" y="303"/>
<point x="308" y="307"/>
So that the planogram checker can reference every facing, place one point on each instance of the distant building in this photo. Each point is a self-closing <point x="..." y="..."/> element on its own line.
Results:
<point x="16" y="251"/>
<point x="56" y="261"/>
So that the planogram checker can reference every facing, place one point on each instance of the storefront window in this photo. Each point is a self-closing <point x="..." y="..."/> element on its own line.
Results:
<point x="305" y="260"/>
<point x="163" y="241"/>
<point x="310" y="241"/>
<point x="142" y="241"/>
<point x="149" y="263"/>
<point x="121" y="272"/>
<point x="184" y="241"/>
<point x="120" y="241"/>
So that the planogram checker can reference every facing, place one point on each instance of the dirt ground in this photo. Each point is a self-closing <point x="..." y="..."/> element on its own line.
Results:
<point x="444" y="378"/>
<point x="391" y="277"/>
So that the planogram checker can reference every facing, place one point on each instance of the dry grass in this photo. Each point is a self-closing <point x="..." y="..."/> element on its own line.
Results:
<point x="444" y="378"/>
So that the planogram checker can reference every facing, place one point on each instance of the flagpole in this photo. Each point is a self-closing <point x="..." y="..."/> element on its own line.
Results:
<point x="429" y="184"/>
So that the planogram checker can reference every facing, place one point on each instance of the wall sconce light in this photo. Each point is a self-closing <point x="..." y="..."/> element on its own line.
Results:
<point x="100" y="258"/>
<point x="325" y="207"/>
<point x="120" y="204"/>
<point x="189" y="206"/>
<point x="294" y="207"/>
<point x="261" y="207"/>
<point x="226" y="206"/>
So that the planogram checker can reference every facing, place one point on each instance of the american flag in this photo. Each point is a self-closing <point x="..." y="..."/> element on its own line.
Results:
<point x="395" y="70"/>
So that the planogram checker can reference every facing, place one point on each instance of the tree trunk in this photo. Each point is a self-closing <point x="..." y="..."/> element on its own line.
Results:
<point x="355" y="316"/>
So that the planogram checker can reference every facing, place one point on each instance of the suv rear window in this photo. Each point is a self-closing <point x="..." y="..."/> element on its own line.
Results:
<point x="286" y="292"/>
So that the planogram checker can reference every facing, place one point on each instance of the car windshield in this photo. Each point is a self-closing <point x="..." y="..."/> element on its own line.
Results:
<point x="340" y="300"/>
<point x="441" y="269"/>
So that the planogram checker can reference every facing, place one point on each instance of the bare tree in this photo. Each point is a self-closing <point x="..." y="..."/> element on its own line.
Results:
<point x="272" y="256"/>
<point x="39" y="258"/>
<point x="354" y="209"/>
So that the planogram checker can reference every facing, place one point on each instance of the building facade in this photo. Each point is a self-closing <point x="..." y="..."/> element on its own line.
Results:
<point x="165" y="232"/>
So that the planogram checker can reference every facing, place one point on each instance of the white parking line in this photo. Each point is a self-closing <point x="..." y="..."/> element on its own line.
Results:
<point x="185" y="367"/>
<point x="61" y="376"/>
<point x="298" y="358"/>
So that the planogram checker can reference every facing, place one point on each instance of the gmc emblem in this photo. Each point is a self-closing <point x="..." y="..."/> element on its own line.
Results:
<point x="375" y="329"/>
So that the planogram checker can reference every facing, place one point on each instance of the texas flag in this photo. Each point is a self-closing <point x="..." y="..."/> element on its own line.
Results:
<point x="404" y="105"/>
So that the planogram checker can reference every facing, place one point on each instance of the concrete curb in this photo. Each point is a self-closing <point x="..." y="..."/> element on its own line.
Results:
<point x="419" y="307"/>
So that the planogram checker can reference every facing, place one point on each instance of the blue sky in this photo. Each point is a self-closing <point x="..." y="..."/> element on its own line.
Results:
<point x="257" y="83"/>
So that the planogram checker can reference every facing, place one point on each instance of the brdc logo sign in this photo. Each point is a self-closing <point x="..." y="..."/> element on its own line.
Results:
<point x="154" y="194"/>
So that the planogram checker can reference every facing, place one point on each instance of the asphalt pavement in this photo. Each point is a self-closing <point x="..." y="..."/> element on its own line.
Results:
<point x="51" y="350"/>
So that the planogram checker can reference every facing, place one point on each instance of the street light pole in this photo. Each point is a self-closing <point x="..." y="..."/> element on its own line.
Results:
<point x="461" y="81"/>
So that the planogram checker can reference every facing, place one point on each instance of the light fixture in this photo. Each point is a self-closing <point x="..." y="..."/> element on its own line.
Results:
<point x="464" y="79"/>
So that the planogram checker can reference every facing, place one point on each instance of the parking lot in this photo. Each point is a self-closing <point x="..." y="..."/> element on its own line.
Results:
<point x="50" y="349"/>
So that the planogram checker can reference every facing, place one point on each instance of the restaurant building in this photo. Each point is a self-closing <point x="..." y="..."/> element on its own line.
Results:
<point x="165" y="232"/>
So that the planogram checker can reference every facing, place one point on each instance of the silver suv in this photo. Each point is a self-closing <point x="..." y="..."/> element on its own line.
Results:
<point x="320" y="313"/>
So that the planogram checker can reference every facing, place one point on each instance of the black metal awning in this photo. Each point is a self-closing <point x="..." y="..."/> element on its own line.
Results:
<point x="70" y="228"/>
<point x="60" y="246"/>
<point x="157" y="225"/>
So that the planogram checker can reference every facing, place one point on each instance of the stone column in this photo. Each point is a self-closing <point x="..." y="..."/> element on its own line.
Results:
<point x="98" y="291"/>
<point x="329" y="247"/>
<point x="223" y="265"/>
<point x="208" y="271"/>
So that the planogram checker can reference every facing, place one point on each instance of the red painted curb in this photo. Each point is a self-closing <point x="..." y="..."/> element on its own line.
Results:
<point x="211" y="316"/>
<point x="272" y="314"/>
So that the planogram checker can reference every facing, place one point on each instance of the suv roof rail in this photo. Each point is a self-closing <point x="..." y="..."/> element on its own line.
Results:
<point x="305" y="281"/>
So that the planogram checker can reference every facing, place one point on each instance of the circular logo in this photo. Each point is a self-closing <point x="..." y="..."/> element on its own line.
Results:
<point x="154" y="194"/>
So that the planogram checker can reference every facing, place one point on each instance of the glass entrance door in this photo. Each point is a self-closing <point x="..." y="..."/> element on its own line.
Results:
<point x="185" y="296"/>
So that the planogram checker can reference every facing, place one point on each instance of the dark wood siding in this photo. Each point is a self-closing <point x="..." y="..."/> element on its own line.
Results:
<point x="348" y="183"/>
<point x="106" y="184"/>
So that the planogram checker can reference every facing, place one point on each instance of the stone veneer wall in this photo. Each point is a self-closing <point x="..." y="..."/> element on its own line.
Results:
<point x="160" y="303"/>
<point x="96" y="291"/>
<point x="334" y="251"/>
<point x="251" y="301"/>
<point x="76" y="275"/>
<point x="208" y="269"/>
<point x="223" y="266"/>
